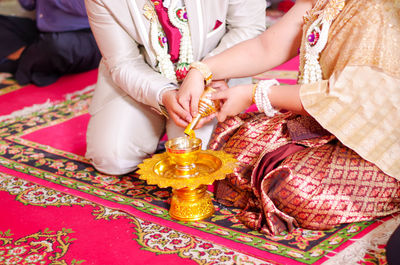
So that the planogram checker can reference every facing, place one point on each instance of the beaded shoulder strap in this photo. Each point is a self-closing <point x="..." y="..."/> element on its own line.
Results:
<point x="317" y="38"/>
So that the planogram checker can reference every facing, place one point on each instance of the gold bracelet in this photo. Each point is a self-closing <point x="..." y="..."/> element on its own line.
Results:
<point x="253" y="99"/>
<point x="204" y="70"/>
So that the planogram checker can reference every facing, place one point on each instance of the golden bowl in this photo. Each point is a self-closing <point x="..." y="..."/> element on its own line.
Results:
<point x="183" y="152"/>
<point x="190" y="200"/>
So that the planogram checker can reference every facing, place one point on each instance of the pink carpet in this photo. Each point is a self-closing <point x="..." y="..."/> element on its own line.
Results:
<point x="56" y="204"/>
<point x="50" y="227"/>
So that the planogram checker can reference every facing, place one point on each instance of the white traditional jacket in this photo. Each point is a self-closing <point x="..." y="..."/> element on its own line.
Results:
<point x="129" y="64"/>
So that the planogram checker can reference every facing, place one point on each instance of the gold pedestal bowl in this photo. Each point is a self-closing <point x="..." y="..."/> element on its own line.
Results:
<point x="188" y="170"/>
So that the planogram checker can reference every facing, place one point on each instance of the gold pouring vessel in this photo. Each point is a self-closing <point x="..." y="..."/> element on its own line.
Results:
<point x="207" y="106"/>
<point x="188" y="169"/>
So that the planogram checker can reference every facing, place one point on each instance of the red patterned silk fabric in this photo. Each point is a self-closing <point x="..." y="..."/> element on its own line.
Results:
<point x="291" y="172"/>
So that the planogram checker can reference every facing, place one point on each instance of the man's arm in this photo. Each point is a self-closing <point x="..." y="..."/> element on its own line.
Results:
<point x="121" y="54"/>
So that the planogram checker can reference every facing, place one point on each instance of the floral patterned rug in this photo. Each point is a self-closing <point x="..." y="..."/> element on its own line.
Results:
<point x="42" y="165"/>
<point x="65" y="229"/>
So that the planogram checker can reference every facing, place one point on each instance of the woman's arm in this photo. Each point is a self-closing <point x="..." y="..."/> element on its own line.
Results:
<point x="237" y="99"/>
<point x="275" y="46"/>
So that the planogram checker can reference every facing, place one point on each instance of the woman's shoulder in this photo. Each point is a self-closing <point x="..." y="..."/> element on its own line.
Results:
<point x="382" y="5"/>
<point x="381" y="11"/>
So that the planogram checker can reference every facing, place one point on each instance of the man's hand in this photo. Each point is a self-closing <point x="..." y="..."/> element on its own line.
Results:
<point x="178" y="114"/>
<point x="190" y="91"/>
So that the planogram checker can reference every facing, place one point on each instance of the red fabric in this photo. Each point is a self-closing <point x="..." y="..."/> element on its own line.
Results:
<point x="270" y="161"/>
<point x="285" y="5"/>
<point x="173" y="34"/>
<point x="217" y="24"/>
<point x="318" y="187"/>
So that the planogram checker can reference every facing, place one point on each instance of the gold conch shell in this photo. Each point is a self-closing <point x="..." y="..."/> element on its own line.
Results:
<point x="207" y="106"/>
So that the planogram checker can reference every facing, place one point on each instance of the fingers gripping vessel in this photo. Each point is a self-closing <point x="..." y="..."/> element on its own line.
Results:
<point x="207" y="106"/>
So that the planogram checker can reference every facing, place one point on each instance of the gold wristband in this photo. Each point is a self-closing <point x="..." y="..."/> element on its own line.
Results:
<point x="204" y="70"/>
<point x="253" y="99"/>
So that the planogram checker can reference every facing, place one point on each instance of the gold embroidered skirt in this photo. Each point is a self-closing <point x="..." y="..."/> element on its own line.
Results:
<point x="292" y="172"/>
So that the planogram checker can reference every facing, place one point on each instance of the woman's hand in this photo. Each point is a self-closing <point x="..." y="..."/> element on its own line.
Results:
<point x="190" y="91"/>
<point x="234" y="100"/>
<point x="218" y="85"/>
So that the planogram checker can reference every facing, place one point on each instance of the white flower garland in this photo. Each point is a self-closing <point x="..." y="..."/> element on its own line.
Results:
<point x="160" y="45"/>
<point x="178" y="19"/>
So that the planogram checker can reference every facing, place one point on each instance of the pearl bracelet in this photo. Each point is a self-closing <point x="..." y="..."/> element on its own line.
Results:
<point x="204" y="70"/>
<point x="261" y="96"/>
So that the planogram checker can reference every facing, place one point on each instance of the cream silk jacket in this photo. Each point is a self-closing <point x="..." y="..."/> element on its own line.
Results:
<point x="123" y="36"/>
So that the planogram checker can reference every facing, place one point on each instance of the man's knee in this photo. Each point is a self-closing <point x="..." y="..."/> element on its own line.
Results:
<point x="117" y="158"/>
<point x="111" y="165"/>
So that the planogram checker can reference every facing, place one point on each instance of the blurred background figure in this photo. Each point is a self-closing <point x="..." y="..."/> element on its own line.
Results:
<point x="57" y="41"/>
<point x="276" y="9"/>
